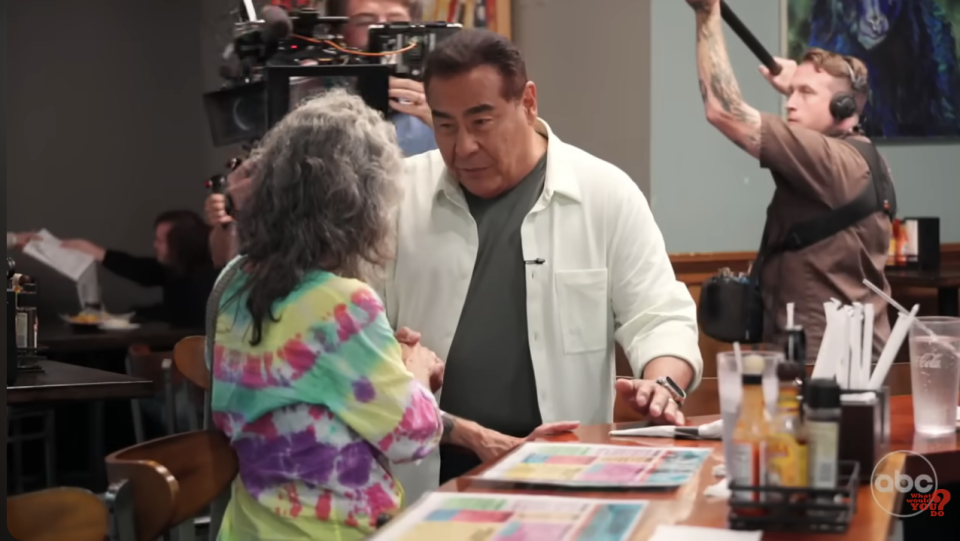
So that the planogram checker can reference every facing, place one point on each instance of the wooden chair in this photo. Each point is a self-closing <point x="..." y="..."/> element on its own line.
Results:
<point x="156" y="366"/>
<point x="160" y="486"/>
<point x="189" y="355"/>
<point x="57" y="514"/>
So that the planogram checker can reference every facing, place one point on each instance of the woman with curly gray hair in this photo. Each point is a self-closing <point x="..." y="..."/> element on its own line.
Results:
<point x="309" y="382"/>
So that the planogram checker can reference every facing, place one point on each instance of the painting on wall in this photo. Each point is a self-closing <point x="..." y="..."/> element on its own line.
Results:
<point x="494" y="15"/>
<point x="911" y="48"/>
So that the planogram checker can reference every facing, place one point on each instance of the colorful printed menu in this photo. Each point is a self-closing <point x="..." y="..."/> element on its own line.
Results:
<point x="442" y="516"/>
<point x="598" y="466"/>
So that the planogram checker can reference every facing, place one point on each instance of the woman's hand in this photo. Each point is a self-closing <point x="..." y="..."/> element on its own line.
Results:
<point x="424" y="364"/>
<point x="85" y="246"/>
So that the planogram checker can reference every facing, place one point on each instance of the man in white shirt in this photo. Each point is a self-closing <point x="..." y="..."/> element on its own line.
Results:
<point x="520" y="260"/>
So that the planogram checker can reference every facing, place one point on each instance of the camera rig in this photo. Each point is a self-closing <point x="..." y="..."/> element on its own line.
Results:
<point x="276" y="62"/>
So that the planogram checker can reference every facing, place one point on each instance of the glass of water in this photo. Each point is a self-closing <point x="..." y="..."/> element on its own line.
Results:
<point x="935" y="374"/>
<point x="730" y="387"/>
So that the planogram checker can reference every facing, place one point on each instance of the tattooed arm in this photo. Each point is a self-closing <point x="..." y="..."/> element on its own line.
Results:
<point x="721" y="95"/>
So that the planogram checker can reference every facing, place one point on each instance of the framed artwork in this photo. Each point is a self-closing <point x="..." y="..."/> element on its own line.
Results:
<point x="910" y="47"/>
<point x="493" y="15"/>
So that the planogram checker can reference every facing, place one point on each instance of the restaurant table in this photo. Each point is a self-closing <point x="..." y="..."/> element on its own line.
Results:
<point x="60" y="382"/>
<point x="59" y="337"/>
<point x="687" y="505"/>
<point x="945" y="280"/>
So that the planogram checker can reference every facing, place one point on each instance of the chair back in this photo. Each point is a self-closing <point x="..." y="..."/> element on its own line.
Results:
<point x="172" y="479"/>
<point x="189" y="355"/>
<point x="57" y="514"/>
<point x="147" y="364"/>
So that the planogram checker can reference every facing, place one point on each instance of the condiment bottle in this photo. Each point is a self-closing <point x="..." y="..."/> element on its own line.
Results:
<point x="750" y="434"/>
<point x="786" y="446"/>
<point x="821" y="403"/>
<point x="894" y="242"/>
<point x="795" y="351"/>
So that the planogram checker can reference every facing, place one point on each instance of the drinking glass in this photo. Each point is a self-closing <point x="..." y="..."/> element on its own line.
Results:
<point x="935" y="374"/>
<point x="730" y="387"/>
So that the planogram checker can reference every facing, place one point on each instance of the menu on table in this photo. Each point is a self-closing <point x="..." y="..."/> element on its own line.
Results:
<point x="597" y="466"/>
<point x="442" y="516"/>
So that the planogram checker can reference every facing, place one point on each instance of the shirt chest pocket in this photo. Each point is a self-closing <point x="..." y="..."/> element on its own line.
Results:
<point x="582" y="303"/>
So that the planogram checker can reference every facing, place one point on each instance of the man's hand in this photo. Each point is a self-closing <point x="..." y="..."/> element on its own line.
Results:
<point x="781" y="82"/>
<point x="215" y="207"/>
<point x="650" y="399"/>
<point x="407" y="96"/>
<point x="703" y="5"/>
<point x="19" y="240"/>
<point x="493" y="445"/>
<point x="86" y="247"/>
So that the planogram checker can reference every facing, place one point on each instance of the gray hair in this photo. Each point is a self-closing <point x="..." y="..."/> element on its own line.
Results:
<point x="323" y="190"/>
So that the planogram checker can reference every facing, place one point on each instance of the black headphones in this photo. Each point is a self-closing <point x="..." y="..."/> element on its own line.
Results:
<point x="844" y="104"/>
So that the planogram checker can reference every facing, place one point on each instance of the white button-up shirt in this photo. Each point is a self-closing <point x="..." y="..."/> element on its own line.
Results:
<point x="598" y="271"/>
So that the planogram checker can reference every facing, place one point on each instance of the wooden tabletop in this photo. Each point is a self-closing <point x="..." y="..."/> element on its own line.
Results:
<point x="60" y="337"/>
<point x="940" y="278"/>
<point x="688" y="506"/>
<point x="60" y="382"/>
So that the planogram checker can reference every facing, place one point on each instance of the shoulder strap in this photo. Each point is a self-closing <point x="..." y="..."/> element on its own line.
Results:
<point x="213" y="305"/>
<point x="877" y="196"/>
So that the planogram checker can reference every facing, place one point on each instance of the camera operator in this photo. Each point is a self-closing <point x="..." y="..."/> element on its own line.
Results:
<point x="412" y="119"/>
<point x="820" y="162"/>
<point x="412" y="116"/>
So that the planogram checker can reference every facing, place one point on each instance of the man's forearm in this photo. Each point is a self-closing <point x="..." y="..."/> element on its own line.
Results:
<point x="723" y="102"/>
<point x="679" y="370"/>
<point x="460" y="432"/>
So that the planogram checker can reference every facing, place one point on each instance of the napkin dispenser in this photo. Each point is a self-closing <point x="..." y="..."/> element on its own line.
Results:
<point x="923" y="243"/>
<point x="864" y="427"/>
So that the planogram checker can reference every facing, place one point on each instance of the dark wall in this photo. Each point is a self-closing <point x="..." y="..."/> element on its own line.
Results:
<point x="105" y="128"/>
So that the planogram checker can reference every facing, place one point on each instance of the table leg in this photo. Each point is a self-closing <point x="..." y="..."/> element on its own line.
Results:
<point x="97" y="454"/>
<point x="948" y="301"/>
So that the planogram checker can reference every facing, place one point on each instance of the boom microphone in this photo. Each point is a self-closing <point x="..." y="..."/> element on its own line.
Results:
<point x="748" y="38"/>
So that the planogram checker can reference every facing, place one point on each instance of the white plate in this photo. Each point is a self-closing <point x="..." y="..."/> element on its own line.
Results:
<point x="118" y="325"/>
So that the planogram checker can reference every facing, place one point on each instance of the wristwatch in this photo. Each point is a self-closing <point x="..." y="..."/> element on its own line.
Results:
<point x="676" y="392"/>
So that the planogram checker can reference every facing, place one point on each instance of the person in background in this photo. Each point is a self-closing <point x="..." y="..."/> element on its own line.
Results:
<point x="411" y="117"/>
<point x="310" y="384"/>
<point x="814" y="168"/>
<point x="181" y="265"/>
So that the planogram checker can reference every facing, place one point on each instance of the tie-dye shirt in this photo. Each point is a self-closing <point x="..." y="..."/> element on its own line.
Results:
<point x="316" y="412"/>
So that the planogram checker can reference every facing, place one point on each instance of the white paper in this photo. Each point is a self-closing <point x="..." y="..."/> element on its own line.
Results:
<point x="707" y="431"/>
<point x="666" y="532"/>
<point x="47" y="250"/>
<point x="88" y="289"/>
<point x="866" y="347"/>
<point x="856" y="342"/>
<point x="842" y="353"/>
<point x="647" y="432"/>
<point x="825" y="366"/>
<point x="892" y="347"/>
